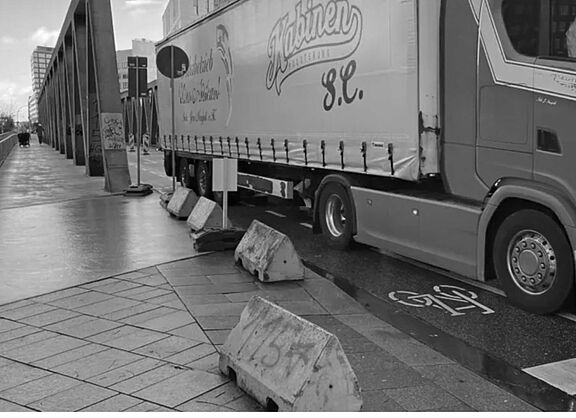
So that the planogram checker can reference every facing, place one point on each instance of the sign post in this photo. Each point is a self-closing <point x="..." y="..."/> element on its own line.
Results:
<point x="225" y="180"/>
<point x="173" y="62"/>
<point x="138" y="88"/>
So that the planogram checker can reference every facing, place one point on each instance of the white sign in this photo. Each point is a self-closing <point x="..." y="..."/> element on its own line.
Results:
<point x="225" y="175"/>
<point x="451" y="299"/>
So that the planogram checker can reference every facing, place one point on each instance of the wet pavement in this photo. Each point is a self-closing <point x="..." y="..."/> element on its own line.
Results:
<point x="70" y="231"/>
<point x="38" y="175"/>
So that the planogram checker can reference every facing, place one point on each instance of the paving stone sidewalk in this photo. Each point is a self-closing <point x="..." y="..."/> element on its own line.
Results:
<point x="149" y="340"/>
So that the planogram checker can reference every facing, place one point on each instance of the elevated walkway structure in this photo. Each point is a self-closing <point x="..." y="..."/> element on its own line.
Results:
<point x="79" y="104"/>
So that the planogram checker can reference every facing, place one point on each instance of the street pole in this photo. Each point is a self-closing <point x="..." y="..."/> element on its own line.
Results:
<point x="135" y="93"/>
<point x="225" y="193"/>
<point x="138" y="121"/>
<point x="173" y="121"/>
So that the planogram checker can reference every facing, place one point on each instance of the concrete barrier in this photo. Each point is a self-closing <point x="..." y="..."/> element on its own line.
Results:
<point x="182" y="203"/>
<point x="287" y="363"/>
<point x="206" y="215"/>
<point x="269" y="254"/>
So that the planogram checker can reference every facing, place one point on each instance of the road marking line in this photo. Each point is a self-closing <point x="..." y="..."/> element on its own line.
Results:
<point x="305" y="225"/>
<point x="568" y="316"/>
<point x="424" y="266"/>
<point x="279" y="215"/>
<point x="561" y="375"/>
<point x="248" y="205"/>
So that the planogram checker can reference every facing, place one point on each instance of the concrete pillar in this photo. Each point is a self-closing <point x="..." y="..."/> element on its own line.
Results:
<point x="75" y="118"/>
<point x="95" y="155"/>
<point x="81" y="55"/>
<point x="66" y="144"/>
<point x="108" y="95"/>
<point x="58" y="109"/>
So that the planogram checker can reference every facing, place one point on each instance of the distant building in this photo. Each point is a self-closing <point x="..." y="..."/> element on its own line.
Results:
<point x="32" y="109"/>
<point x="38" y="64"/>
<point x="140" y="48"/>
<point x="181" y="13"/>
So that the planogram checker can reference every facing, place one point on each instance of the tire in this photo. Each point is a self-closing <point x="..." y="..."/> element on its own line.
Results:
<point x="336" y="216"/>
<point x="168" y="163"/>
<point x="184" y="175"/>
<point x="203" y="179"/>
<point x="533" y="262"/>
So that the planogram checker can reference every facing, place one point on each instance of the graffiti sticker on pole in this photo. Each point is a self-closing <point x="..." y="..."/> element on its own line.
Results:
<point x="451" y="299"/>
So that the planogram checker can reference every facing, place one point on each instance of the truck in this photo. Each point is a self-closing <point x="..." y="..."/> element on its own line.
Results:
<point x="439" y="130"/>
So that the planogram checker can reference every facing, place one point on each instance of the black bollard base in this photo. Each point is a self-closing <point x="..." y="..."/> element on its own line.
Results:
<point x="217" y="239"/>
<point x="139" y="191"/>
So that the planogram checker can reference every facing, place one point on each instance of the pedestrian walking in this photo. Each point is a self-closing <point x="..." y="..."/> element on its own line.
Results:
<point x="40" y="133"/>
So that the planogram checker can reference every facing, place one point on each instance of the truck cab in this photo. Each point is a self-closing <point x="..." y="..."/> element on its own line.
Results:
<point x="507" y="111"/>
<point x="509" y="107"/>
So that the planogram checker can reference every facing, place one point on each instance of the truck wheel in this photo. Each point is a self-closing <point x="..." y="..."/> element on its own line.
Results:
<point x="168" y="163"/>
<point x="185" y="177"/>
<point x="533" y="262"/>
<point x="203" y="179"/>
<point x="336" y="216"/>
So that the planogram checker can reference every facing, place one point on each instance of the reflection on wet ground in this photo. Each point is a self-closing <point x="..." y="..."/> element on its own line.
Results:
<point x="83" y="234"/>
<point x="37" y="175"/>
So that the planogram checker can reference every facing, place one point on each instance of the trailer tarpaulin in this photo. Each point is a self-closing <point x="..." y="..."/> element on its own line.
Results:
<point x="321" y="83"/>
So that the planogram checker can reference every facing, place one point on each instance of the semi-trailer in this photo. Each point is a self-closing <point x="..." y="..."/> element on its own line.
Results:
<point x="441" y="130"/>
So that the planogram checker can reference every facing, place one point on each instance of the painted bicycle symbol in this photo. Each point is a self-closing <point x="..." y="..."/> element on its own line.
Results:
<point x="451" y="299"/>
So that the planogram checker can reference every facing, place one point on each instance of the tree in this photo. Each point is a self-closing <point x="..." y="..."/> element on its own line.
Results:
<point x="6" y="123"/>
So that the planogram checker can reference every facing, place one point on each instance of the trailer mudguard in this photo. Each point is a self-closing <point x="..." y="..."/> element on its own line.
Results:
<point x="537" y="193"/>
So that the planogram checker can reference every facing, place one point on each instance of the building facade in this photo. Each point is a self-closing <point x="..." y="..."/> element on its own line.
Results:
<point x="38" y="64"/>
<point x="140" y="48"/>
<point x="181" y="13"/>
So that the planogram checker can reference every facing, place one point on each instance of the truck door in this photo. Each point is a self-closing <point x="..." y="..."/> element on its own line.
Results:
<point x="507" y="51"/>
<point x="555" y="106"/>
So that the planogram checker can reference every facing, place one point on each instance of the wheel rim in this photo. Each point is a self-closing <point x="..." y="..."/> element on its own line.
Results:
<point x="183" y="172"/>
<point x="532" y="262"/>
<point x="202" y="180"/>
<point x="336" y="218"/>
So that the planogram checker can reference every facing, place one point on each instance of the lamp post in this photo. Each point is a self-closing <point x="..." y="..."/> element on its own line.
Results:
<point x="18" y="115"/>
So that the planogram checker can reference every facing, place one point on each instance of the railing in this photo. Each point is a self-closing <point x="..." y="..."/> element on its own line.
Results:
<point x="7" y="143"/>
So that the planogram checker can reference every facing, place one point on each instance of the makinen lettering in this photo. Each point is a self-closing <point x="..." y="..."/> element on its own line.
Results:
<point x="313" y="35"/>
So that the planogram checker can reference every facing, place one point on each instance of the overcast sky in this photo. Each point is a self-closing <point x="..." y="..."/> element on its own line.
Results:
<point x="24" y="24"/>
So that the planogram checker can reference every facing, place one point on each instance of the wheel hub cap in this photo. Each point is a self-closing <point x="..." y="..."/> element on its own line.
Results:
<point x="335" y="216"/>
<point x="532" y="262"/>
